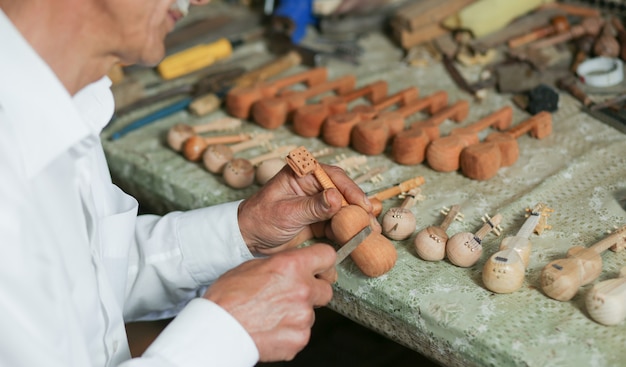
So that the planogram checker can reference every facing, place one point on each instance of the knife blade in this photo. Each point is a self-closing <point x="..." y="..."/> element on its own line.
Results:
<point x="352" y="243"/>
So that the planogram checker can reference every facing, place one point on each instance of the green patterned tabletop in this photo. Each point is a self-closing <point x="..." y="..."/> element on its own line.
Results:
<point x="436" y="308"/>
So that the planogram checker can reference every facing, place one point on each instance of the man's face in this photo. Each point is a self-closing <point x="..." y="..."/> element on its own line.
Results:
<point x="138" y="27"/>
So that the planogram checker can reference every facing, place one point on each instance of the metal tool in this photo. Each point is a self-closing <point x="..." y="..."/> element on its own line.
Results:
<point x="352" y="244"/>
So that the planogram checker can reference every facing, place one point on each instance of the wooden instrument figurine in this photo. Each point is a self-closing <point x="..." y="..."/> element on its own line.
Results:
<point x="430" y="242"/>
<point x="239" y="100"/>
<point x="376" y="255"/>
<point x="606" y="300"/>
<point x="195" y="146"/>
<point x="561" y="278"/>
<point x="239" y="173"/>
<point x="337" y="127"/>
<point x="504" y="271"/>
<point x="399" y="223"/>
<point x="371" y="136"/>
<point x="482" y="161"/>
<point x="270" y="167"/>
<point x="464" y="249"/>
<point x="401" y="188"/>
<point x="273" y="112"/>
<point x="409" y="146"/>
<point x="179" y="133"/>
<point x="216" y="156"/>
<point x="444" y="154"/>
<point x="308" y="119"/>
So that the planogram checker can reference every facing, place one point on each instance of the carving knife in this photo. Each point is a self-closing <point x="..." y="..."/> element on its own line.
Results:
<point x="352" y="243"/>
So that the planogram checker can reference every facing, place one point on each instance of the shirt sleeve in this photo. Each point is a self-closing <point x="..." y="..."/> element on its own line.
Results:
<point x="202" y="334"/>
<point x="176" y="256"/>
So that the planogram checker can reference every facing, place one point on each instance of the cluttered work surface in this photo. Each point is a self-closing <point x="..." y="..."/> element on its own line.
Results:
<point x="435" y="307"/>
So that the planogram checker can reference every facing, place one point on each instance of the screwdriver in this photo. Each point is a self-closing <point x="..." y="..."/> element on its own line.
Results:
<point x="196" y="58"/>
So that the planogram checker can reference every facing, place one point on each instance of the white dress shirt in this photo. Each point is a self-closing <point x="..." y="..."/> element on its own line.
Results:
<point x="76" y="262"/>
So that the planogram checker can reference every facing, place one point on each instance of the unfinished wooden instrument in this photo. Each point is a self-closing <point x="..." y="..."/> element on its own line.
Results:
<point x="195" y="146"/>
<point x="308" y="119"/>
<point x="239" y="173"/>
<point x="606" y="300"/>
<point x="482" y="161"/>
<point x="216" y="156"/>
<point x="399" y="189"/>
<point x="430" y="242"/>
<point x="239" y="100"/>
<point x="504" y="271"/>
<point x="464" y="249"/>
<point x="273" y="112"/>
<point x="372" y="136"/>
<point x="409" y="146"/>
<point x="376" y="255"/>
<point x="179" y="133"/>
<point x="399" y="223"/>
<point x="337" y="128"/>
<point x="561" y="278"/>
<point x="444" y="154"/>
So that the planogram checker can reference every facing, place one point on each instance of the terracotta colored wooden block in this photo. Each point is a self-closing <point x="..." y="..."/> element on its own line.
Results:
<point x="308" y="120"/>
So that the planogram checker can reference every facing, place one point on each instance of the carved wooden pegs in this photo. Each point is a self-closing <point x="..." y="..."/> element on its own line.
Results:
<point x="398" y="223"/>
<point x="606" y="300"/>
<point x="179" y="133"/>
<point x="409" y="146"/>
<point x="372" y="136"/>
<point x="195" y="146"/>
<point x="561" y="278"/>
<point x="482" y="161"/>
<point x="337" y="128"/>
<point x="308" y="120"/>
<point x="430" y="242"/>
<point x="403" y="187"/>
<point x="239" y="173"/>
<point x="273" y="112"/>
<point x="504" y="271"/>
<point x="464" y="249"/>
<point x="216" y="156"/>
<point x="376" y="255"/>
<point x="443" y="154"/>
<point x="239" y="100"/>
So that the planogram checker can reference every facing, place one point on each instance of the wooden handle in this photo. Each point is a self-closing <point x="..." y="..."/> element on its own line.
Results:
<point x="399" y="98"/>
<point x="274" y="67"/>
<point x="539" y="126"/>
<point x="500" y="119"/>
<point x="433" y="103"/>
<point x="589" y="25"/>
<point x="558" y="24"/>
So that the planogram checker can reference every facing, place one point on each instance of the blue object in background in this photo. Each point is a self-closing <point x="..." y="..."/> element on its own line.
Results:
<point x="300" y="12"/>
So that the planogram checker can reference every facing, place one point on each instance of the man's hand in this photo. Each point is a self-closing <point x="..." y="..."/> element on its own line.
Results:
<point x="273" y="298"/>
<point x="287" y="204"/>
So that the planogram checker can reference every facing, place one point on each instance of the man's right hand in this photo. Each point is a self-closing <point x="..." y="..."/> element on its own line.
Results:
<point x="274" y="298"/>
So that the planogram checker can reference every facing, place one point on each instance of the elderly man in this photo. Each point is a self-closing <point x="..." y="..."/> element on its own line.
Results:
<point x="77" y="262"/>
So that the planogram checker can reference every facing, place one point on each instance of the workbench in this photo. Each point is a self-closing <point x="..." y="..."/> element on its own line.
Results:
<point x="436" y="308"/>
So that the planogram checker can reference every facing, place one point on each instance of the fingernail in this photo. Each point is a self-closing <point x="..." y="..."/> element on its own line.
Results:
<point x="326" y="202"/>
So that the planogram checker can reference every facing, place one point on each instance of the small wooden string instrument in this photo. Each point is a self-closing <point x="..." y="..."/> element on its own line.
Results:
<point x="444" y="154"/>
<point x="269" y="168"/>
<point x="337" y="127"/>
<point x="482" y="161"/>
<point x="464" y="249"/>
<point x="376" y="255"/>
<point x="179" y="133"/>
<point x="561" y="278"/>
<point x="372" y="136"/>
<point x="504" y="271"/>
<point x="239" y="173"/>
<point x="409" y="146"/>
<point x="273" y="112"/>
<point x="239" y="100"/>
<point x="606" y="300"/>
<point x="216" y="156"/>
<point x="195" y="146"/>
<point x="430" y="242"/>
<point x="398" y="223"/>
<point x="399" y="189"/>
<point x="308" y="120"/>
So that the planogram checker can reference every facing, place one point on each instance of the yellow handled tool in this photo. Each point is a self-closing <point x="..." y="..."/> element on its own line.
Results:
<point x="194" y="58"/>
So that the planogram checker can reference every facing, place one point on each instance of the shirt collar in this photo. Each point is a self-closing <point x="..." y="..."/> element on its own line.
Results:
<point x="45" y="118"/>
